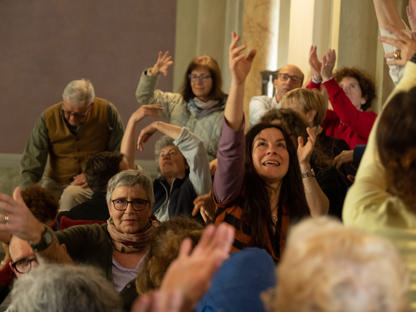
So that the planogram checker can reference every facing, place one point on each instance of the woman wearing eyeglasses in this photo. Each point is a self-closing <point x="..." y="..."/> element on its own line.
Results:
<point x="116" y="247"/>
<point x="350" y="92"/>
<point x="199" y="106"/>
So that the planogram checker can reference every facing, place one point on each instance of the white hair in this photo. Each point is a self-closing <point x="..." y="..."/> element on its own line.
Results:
<point x="63" y="288"/>
<point x="79" y="93"/>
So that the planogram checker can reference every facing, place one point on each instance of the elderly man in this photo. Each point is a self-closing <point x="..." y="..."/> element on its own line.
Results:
<point x="69" y="132"/>
<point x="289" y="77"/>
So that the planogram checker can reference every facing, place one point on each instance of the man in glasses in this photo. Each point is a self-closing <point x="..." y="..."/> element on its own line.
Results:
<point x="68" y="133"/>
<point x="289" y="77"/>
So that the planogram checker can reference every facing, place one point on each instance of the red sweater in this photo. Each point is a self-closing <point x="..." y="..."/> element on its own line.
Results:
<point x="345" y="121"/>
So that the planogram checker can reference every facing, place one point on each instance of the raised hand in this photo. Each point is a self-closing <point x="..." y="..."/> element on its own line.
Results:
<point x="328" y="63"/>
<point x="239" y="63"/>
<point x="145" y="134"/>
<point x="305" y="150"/>
<point x="191" y="273"/>
<point x="148" y="110"/>
<point x="17" y="219"/>
<point x="406" y="46"/>
<point x="164" y="60"/>
<point x="315" y="64"/>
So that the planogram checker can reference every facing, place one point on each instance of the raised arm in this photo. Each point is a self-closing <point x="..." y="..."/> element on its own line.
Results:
<point x="368" y="200"/>
<point x="145" y="92"/>
<point x="230" y="170"/>
<point x="18" y="220"/>
<point x="128" y="143"/>
<point x="317" y="201"/>
<point x="191" y="148"/>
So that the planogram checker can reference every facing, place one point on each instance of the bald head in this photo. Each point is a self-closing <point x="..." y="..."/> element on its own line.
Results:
<point x="289" y="77"/>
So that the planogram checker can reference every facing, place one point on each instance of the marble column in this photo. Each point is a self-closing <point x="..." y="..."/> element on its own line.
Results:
<point x="259" y="32"/>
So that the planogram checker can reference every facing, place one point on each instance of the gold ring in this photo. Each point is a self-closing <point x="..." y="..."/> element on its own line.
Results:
<point x="6" y="219"/>
<point x="397" y="55"/>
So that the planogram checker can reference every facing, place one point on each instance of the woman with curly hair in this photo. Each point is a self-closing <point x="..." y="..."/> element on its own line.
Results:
<point x="350" y="92"/>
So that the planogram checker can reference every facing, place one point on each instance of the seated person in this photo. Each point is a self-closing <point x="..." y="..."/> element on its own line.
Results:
<point x="182" y="162"/>
<point x="382" y="198"/>
<point x="327" y="267"/>
<point x="324" y="185"/>
<point x="68" y="132"/>
<point x="289" y="77"/>
<point x="116" y="247"/>
<point x="200" y="104"/>
<point x="52" y="287"/>
<point x="99" y="168"/>
<point x="350" y="92"/>
<point x="312" y="106"/>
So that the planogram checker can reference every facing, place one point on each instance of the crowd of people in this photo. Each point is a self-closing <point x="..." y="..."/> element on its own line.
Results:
<point x="237" y="219"/>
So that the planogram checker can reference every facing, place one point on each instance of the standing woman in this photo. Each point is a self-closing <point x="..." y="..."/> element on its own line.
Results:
<point x="257" y="185"/>
<point x="200" y="105"/>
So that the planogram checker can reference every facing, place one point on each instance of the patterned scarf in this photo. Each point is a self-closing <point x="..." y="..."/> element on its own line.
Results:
<point x="200" y="108"/>
<point x="134" y="242"/>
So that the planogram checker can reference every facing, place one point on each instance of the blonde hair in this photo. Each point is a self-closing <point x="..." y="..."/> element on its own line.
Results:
<point x="328" y="267"/>
<point x="308" y="100"/>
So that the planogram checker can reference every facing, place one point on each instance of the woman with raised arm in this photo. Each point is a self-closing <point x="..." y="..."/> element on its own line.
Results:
<point x="199" y="106"/>
<point x="257" y="185"/>
<point x="350" y="92"/>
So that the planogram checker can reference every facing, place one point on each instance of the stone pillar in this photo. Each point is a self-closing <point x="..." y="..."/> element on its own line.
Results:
<point x="260" y="34"/>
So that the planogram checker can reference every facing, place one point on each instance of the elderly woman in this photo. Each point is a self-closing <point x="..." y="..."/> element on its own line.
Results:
<point x="199" y="106"/>
<point x="350" y="92"/>
<point x="116" y="247"/>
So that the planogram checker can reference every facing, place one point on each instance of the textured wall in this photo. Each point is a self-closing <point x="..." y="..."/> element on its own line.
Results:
<point x="45" y="44"/>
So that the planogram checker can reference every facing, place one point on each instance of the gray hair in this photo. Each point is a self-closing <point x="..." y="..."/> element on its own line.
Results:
<point x="131" y="177"/>
<point x="64" y="287"/>
<point x="79" y="93"/>
<point x="161" y="143"/>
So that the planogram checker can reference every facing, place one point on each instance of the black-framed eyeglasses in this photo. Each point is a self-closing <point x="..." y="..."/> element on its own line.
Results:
<point x="200" y="77"/>
<point x="137" y="203"/>
<point x="286" y="77"/>
<point x="24" y="265"/>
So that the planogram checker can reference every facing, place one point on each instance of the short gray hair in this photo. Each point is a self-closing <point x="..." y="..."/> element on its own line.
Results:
<point x="131" y="177"/>
<point x="59" y="288"/>
<point x="161" y="143"/>
<point x="79" y="93"/>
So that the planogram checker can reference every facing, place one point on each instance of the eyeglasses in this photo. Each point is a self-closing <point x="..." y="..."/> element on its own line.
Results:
<point x="202" y="77"/>
<point x="285" y="77"/>
<point x="24" y="265"/>
<point x="68" y="114"/>
<point x="171" y="152"/>
<point x="137" y="203"/>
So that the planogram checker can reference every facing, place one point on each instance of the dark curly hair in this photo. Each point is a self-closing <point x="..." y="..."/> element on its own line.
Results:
<point x="366" y="83"/>
<point x="395" y="137"/>
<point x="164" y="248"/>
<point x="41" y="203"/>
<point x="209" y="63"/>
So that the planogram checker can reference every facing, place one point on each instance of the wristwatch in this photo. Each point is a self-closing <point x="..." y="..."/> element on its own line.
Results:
<point x="45" y="240"/>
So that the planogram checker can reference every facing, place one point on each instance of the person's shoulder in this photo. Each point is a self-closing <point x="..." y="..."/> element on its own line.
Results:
<point x="261" y="98"/>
